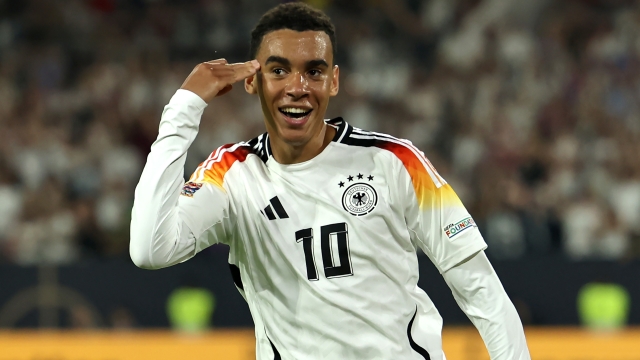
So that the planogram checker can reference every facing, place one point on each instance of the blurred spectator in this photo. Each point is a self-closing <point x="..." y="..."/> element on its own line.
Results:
<point x="121" y="318"/>
<point x="82" y="318"/>
<point x="529" y="108"/>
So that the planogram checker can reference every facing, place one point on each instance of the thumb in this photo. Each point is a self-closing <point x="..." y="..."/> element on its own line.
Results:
<point x="225" y="90"/>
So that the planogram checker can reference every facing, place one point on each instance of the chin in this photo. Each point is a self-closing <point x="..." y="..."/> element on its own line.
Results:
<point x="294" y="135"/>
<point x="295" y="138"/>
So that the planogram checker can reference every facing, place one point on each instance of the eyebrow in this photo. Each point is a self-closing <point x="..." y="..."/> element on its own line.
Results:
<point x="286" y="62"/>
<point x="277" y="59"/>
<point x="317" y="63"/>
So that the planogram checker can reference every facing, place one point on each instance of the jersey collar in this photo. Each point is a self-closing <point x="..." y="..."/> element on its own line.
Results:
<point x="262" y="144"/>
<point x="343" y="130"/>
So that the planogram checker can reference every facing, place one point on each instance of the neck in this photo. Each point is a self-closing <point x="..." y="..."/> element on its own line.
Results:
<point x="287" y="153"/>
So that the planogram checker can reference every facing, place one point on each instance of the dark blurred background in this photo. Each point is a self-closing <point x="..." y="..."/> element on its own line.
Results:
<point x="528" y="108"/>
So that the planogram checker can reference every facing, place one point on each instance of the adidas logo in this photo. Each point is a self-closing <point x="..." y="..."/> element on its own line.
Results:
<point x="276" y="206"/>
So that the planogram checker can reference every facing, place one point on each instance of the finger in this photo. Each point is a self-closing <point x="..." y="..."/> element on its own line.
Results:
<point x="253" y="64"/>
<point x="217" y="61"/>
<point x="224" y="90"/>
<point x="244" y="70"/>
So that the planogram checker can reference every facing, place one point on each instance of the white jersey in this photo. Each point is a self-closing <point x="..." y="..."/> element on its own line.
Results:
<point x="324" y="251"/>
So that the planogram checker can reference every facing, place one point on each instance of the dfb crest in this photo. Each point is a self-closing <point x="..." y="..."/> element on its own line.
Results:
<point x="359" y="199"/>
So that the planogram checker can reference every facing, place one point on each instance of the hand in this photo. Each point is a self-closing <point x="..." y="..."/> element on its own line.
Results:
<point x="214" y="78"/>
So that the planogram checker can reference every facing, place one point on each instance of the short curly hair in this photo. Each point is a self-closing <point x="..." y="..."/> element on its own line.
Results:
<point x="296" y="16"/>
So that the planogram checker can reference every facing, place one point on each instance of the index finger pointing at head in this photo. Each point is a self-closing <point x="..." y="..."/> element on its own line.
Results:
<point x="244" y="70"/>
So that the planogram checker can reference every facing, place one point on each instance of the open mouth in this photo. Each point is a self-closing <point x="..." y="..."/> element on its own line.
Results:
<point x="295" y="113"/>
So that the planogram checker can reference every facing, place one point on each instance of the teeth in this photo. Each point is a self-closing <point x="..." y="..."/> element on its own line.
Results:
<point x="294" y="110"/>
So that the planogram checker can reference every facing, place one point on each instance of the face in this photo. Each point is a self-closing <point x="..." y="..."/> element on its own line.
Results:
<point x="296" y="79"/>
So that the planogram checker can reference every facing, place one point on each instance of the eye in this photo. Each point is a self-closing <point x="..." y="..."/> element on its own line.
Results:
<point x="315" y="72"/>
<point x="278" y="71"/>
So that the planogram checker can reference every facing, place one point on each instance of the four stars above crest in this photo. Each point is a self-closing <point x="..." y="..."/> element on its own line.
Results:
<point x="350" y="178"/>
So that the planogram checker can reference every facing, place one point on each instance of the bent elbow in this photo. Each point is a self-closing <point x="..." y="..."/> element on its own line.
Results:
<point x="140" y="256"/>
<point x="140" y="245"/>
<point x="141" y="260"/>
<point x="157" y="249"/>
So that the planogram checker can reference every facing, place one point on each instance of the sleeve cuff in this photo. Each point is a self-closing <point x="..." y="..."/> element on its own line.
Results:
<point x="186" y="97"/>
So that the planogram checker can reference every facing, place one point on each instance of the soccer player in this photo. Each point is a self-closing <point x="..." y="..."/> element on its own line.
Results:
<point x="323" y="220"/>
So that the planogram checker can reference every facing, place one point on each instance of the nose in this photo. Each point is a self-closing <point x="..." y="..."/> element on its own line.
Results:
<point x="298" y="86"/>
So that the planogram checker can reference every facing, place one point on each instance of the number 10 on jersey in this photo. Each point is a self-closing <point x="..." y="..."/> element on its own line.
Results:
<point x="328" y="235"/>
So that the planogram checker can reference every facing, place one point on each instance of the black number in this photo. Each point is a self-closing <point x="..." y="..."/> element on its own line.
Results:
<point x="340" y="231"/>
<point x="341" y="234"/>
<point x="306" y="236"/>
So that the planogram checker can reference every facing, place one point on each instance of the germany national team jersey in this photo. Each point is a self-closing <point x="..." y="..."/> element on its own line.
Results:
<point x="324" y="251"/>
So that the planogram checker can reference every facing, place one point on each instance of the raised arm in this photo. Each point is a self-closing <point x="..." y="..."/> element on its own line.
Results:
<point x="167" y="228"/>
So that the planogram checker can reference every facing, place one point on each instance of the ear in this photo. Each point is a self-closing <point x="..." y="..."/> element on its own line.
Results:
<point x="250" y="84"/>
<point x="335" y="81"/>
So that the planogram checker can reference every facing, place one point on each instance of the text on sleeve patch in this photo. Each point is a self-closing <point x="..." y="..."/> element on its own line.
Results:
<point x="453" y="230"/>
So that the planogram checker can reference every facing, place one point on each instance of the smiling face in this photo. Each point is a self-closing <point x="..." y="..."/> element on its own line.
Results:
<point x="296" y="79"/>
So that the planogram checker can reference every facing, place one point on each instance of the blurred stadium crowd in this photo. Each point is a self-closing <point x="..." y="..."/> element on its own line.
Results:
<point x="528" y="108"/>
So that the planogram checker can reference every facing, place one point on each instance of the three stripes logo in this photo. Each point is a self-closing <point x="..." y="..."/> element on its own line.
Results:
<point x="276" y="206"/>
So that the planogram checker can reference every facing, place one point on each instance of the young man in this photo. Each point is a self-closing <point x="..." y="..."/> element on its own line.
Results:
<point x="323" y="220"/>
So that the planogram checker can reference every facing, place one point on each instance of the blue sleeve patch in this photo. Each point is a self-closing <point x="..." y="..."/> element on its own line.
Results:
<point x="190" y="188"/>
